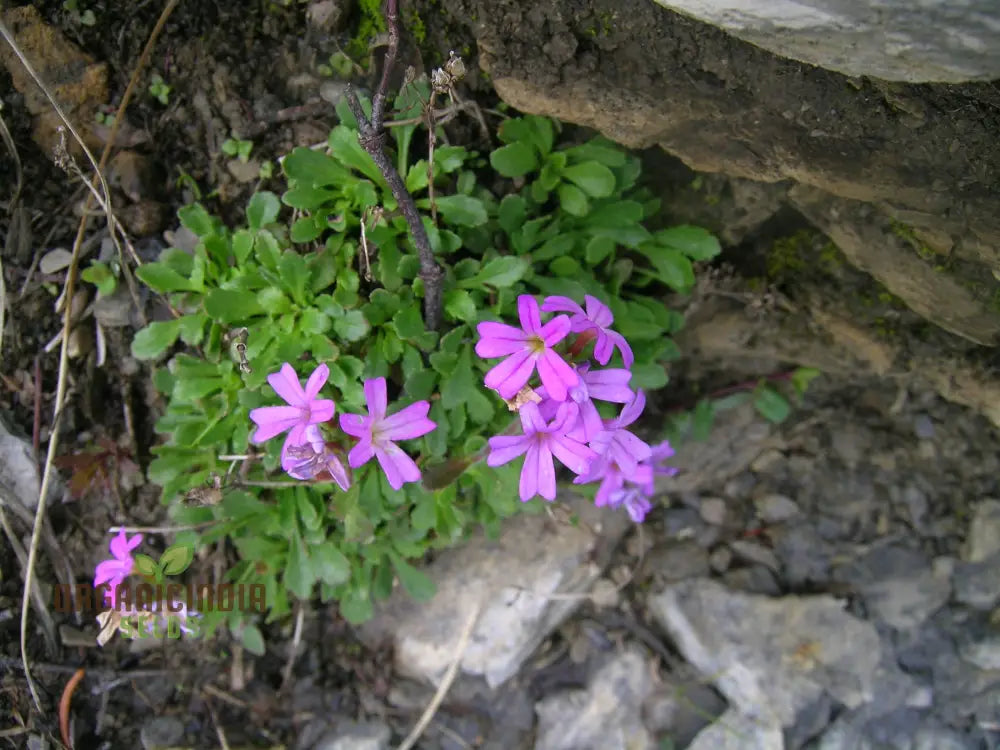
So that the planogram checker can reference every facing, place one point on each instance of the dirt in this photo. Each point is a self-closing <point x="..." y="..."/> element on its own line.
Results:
<point x="250" y="70"/>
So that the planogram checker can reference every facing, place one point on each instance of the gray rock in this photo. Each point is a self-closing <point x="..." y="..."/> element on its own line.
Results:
<point x="19" y="476"/>
<point x="735" y="731"/>
<point x="804" y="555"/>
<point x="904" y="729"/>
<point x="681" y="709"/>
<point x="513" y="578"/>
<point x="977" y="585"/>
<point x="984" y="653"/>
<point x="771" y="658"/>
<point x="775" y="508"/>
<point x="753" y="580"/>
<point x="327" y="15"/>
<point x="677" y="560"/>
<point x="941" y="739"/>
<point x="758" y="554"/>
<point x="356" y="735"/>
<point x="720" y="559"/>
<point x="923" y="427"/>
<point x="605" y="716"/>
<point x="161" y="732"/>
<point x="984" y="532"/>
<point x="895" y="40"/>
<point x="713" y="510"/>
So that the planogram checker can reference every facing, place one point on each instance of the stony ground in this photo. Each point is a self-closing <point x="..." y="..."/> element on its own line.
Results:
<point x="829" y="583"/>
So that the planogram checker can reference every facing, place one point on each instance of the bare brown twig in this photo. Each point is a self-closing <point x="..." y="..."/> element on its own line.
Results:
<point x="371" y="135"/>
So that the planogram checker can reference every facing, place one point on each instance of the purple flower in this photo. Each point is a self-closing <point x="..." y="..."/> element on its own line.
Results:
<point x="303" y="409"/>
<point x="604" y="385"/>
<point x="618" y="444"/>
<point x="377" y="433"/>
<point x="634" y="499"/>
<point x="312" y="458"/>
<point x="596" y="318"/>
<point x="658" y="454"/>
<point x="525" y="348"/>
<point x="114" y="572"/>
<point x="540" y="442"/>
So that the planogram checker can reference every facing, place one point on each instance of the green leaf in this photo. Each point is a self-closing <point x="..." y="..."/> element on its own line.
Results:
<point x="600" y="150"/>
<point x="595" y="179"/>
<point x="462" y="210"/>
<point x="162" y="278"/>
<point x="356" y="607"/>
<point x="263" y="209"/>
<point x="176" y="558"/>
<point x="420" y="385"/>
<point x="351" y="326"/>
<point x="145" y="565"/>
<point x="252" y="639"/>
<point x="573" y="200"/>
<point x="299" y="575"/>
<point x="802" y="377"/>
<point x="598" y="249"/>
<point x="449" y="158"/>
<point x="702" y="419"/>
<point x="512" y="213"/>
<point x="313" y="168"/>
<point x="294" y="275"/>
<point x="458" y="387"/>
<point x="416" y="176"/>
<point x="197" y="219"/>
<point x="648" y="376"/>
<point x="347" y="150"/>
<point x="231" y="306"/>
<point x="155" y="339"/>
<point x="500" y="272"/>
<point x="417" y="584"/>
<point x="192" y="328"/>
<point x="408" y="322"/>
<point x="695" y="242"/>
<point x="459" y="305"/>
<point x="100" y="275"/>
<point x="672" y="267"/>
<point x="242" y="246"/>
<point x="330" y="564"/>
<point x="772" y="405"/>
<point x="514" y="160"/>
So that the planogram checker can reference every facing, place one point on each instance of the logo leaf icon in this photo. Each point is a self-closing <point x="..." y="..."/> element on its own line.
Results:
<point x="176" y="558"/>
<point x="145" y="565"/>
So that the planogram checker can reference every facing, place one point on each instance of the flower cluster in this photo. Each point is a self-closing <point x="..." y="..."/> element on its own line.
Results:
<point x="306" y="453"/>
<point x="559" y="418"/>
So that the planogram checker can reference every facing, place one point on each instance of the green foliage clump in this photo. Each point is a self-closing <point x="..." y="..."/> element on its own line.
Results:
<point x="295" y="284"/>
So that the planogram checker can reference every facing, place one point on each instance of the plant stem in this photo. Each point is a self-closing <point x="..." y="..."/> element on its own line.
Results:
<point x="371" y="135"/>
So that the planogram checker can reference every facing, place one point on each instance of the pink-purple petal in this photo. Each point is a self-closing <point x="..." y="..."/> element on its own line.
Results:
<point x="546" y="478"/>
<point x="499" y="373"/>
<point x="316" y="381"/>
<point x="285" y="383"/>
<point x="573" y="455"/>
<point x="518" y="378"/>
<point x="361" y="453"/>
<point x="565" y="418"/>
<point x="598" y="312"/>
<point x="609" y="385"/>
<point x="528" y="313"/>
<point x="618" y="340"/>
<point x="505" y="448"/>
<point x="321" y="411"/>
<point x="555" y="330"/>
<point x="273" y="420"/>
<point x="531" y="418"/>
<point x="408" y="423"/>
<point x="603" y="348"/>
<point x="557" y="376"/>
<point x="493" y="348"/>
<point x="528" y="483"/>
<point x="558" y="303"/>
<point x="375" y="397"/>
<point x="354" y="425"/>
<point x="632" y="410"/>
<point x="399" y="468"/>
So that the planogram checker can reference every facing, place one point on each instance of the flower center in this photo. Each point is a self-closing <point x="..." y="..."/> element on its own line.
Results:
<point x="536" y="345"/>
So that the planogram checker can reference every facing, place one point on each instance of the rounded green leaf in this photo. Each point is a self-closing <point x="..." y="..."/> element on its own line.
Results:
<point x="351" y="326"/>
<point x="596" y="180"/>
<point x="155" y="339"/>
<point x="462" y="210"/>
<point x="231" y="305"/>
<point x="263" y="209"/>
<point x="459" y="305"/>
<point x="176" y="558"/>
<point x="253" y="639"/>
<point x="417" y="584"/>
<point x="573" y="200"/>
<point x="145" y="565"/>
<point x="514" y="160"/>
<point x="162" y="278"/>
<point x="696" y="243"/>
<point x="330" y="564"/>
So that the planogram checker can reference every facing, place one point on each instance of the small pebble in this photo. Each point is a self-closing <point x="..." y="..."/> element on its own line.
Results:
<point x="923" y="427"/>
<point x="720" y="559"/>
<point x="713" y="510"/>
<point x="161" y="732"/>
<point x="775" y="508"/>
